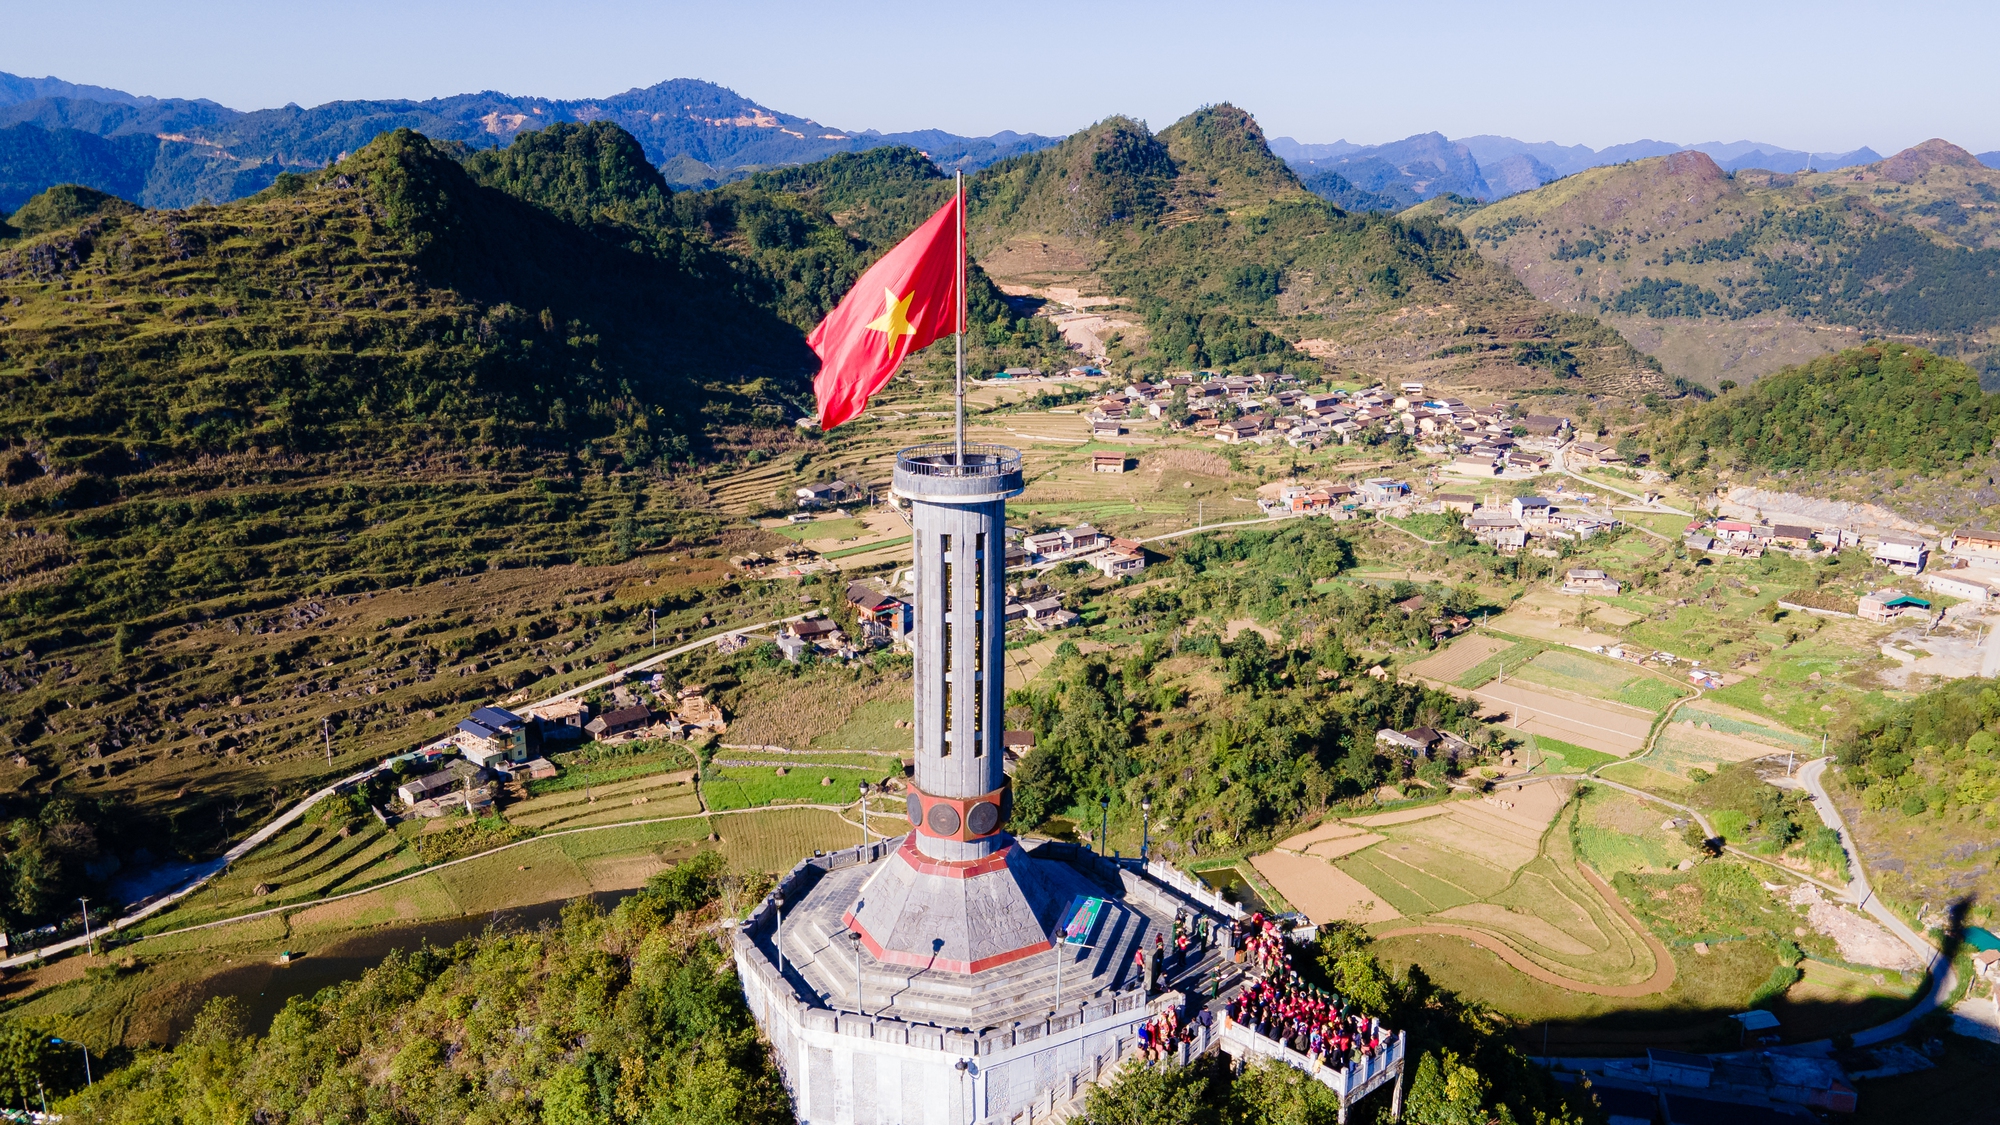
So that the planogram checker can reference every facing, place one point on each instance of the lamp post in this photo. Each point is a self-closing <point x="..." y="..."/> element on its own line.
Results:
<point x="1146" y="833"/>
<point x="87" y="1080"/>
<point x="1104" y="826"/>
<point x="90" y="942"/>
<point x="864" y="814"/>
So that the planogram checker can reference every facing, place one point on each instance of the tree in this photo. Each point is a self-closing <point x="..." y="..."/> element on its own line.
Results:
<point x="1150" y="1095"/>
<point x="1446" y="1092"/>
<point x="29" y="1063"/>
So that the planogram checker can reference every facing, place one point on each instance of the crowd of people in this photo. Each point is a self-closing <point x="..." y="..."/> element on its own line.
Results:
<point x="1276" y="1002"/>
<point x="1191" y="935"/>
<point x="1279" y="1004"/>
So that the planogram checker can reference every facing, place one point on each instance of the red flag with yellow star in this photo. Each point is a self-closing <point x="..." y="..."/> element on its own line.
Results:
<point x="904" y="301"/>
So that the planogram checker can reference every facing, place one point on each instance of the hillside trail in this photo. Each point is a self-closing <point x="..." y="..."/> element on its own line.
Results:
<point x="149" y="907"/>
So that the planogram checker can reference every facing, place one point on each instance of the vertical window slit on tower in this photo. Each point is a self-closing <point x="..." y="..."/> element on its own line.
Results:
<point x="978" y="640"/>
<point x="944" y="740"/>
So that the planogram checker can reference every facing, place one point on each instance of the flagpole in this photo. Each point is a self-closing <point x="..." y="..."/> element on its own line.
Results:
<point x="958" y="186"/>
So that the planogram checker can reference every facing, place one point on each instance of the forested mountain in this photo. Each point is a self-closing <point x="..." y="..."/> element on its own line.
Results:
<point x="171" y="152"/>
<point x="1733" y="275"/>
<point x="1218" y="255"/>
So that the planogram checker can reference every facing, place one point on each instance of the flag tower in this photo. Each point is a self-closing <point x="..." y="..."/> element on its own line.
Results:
<point x="898" y="980"/>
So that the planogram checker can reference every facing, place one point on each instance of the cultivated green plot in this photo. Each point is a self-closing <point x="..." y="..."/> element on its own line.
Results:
<point x="1410" y="890"/>
<point x="1599" y="678"/>
<point x="742" y="787"/>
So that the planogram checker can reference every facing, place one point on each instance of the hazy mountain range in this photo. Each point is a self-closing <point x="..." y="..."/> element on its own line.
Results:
<point x="170" y="152"/>
<point x="1485" y="168"/>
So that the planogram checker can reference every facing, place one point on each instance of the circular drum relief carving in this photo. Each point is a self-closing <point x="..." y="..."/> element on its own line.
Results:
<point x="944" y="820"/>
<point x="916" y="808"/>
<point x="983" y="818"/>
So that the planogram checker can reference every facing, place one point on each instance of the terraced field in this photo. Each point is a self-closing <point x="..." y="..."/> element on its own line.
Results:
<point x="326" y="853"/>
<point x="640" y="798"/>
<point x="1500" y="870"/>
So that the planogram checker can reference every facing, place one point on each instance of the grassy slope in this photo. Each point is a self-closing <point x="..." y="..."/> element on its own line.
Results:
<point x="1818" y="260"/>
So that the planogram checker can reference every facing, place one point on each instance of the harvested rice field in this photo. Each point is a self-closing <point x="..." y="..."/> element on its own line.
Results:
<point x="1321" y="891"/>
<point x="1463" y="656"/>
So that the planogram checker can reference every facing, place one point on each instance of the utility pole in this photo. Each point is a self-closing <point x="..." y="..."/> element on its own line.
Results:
<point x="90" y="942"/>
<point x="654" y="614"/>
<point x="326" y="732"/>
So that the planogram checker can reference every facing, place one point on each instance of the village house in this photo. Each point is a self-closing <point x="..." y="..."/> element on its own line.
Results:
<point x="886" y="610"/>
<point x="1521" y="460"/>
<point x="1962" y="585"/>
<point x="493" y="733"/>
<point x="1576" y="525"/>
<point x="1974" y="544"/>
<point x="814" y="630"/>
<point x="1241" y="430"/>
<point x="1542" y="425"/>
<point x="827" y="493"/>
<point x="1107" y="461"/>
<point x="1105" y="428"/>
<point x="562" y="720"/>
<point x="1475" y="465"/>
<point x="1079" y="538"/>
<point x="1901" y="553"/>
<point x="1124" y="557"/>
<point x="1530" y="509"/>
<point x="1886" y="605"/>
<point x="624" y="720"/>
<point x="1589" y="581"/>
<point x="1500" y="530"/>
<point x="1417" y="741"/>
<point x="1042" y="608"/>
<point x="453" y="779"/>
<point x="1044" y="545"/>
<point x="1048" y="613"/>
<point x="1381" y="490"/>
<point x="1791" y="535"/>
<point x="1592" y="453"/>
<point x="1456" y="502"/>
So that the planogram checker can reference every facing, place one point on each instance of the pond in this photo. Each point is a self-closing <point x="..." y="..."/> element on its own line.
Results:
<point x="264" y="987"/>
<point x="1233" y="885"/>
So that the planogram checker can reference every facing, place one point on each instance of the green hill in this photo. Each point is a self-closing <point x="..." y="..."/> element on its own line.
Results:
<point x="1733" y="275"/>
<point x="1885" y="406"/>
<point x="1215" y="255"/>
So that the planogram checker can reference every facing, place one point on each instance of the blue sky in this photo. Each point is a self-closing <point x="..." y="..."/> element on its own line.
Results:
<point x="1828" y="76"/>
